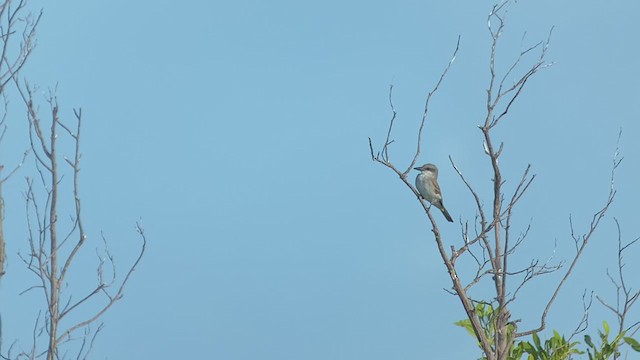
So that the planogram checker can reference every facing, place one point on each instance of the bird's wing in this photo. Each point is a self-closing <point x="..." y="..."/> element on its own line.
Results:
<point x="436" y="189"/>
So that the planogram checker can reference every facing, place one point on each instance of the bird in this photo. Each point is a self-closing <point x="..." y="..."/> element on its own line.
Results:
<point x="427" y="185"/>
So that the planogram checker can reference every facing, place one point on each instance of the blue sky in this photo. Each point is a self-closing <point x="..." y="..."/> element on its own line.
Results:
<point x="237" y="131"/>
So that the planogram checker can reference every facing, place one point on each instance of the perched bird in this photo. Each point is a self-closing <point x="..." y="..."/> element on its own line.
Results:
<point x="427" y="184"/>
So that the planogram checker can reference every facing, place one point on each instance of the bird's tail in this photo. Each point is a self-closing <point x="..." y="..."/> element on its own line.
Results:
<point x="445" y="213"/>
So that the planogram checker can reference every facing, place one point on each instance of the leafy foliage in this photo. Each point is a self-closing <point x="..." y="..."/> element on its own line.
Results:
<point x="557" y="347"/>
<point x="608" y="348"/>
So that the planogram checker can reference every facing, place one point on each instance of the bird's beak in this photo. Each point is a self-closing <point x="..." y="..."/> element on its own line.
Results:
<point x="417" y="168"/>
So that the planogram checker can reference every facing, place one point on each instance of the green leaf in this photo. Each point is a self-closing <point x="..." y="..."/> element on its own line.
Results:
<point x="635" y="345"/>
<point x="606" y="327"/>
<point x="480" y="309"/>
<point x="463" y="323"/>
<point x="536" y="340"/>
<point x="587" y="339"/>
<point x="528" y="348"/>
<point x="517" y="352"/>
<point x="576" y="351"/>
<point x="466" y="323"/>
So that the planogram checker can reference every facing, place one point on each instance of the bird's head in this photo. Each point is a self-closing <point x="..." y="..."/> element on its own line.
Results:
<point x="428" y="168"/>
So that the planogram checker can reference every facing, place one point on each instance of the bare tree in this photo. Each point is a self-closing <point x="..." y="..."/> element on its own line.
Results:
<point x="489" y="239"/>
<point x="54" y="245"/>
<point x="53" y="251"/>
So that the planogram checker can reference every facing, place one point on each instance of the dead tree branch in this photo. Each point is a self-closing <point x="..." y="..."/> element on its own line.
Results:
<point x="492" y="240"/>
<point x="382" y="157"/>
<point x="625" y="296"/>
<point x="51" y="256"/>
<point x="581" y="241"/>
<point x="11" y="61"/>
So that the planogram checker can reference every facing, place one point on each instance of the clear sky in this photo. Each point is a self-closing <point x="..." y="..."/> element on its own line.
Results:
<point x="237" y="131"/>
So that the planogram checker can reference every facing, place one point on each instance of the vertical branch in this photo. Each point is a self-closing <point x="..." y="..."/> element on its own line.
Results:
<point x="499" y="279"/>
<point x="388" y="141"/>
<point x="47" y="259"/>
<point x="501" y="95"/>
<point x="54" y="283"/>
